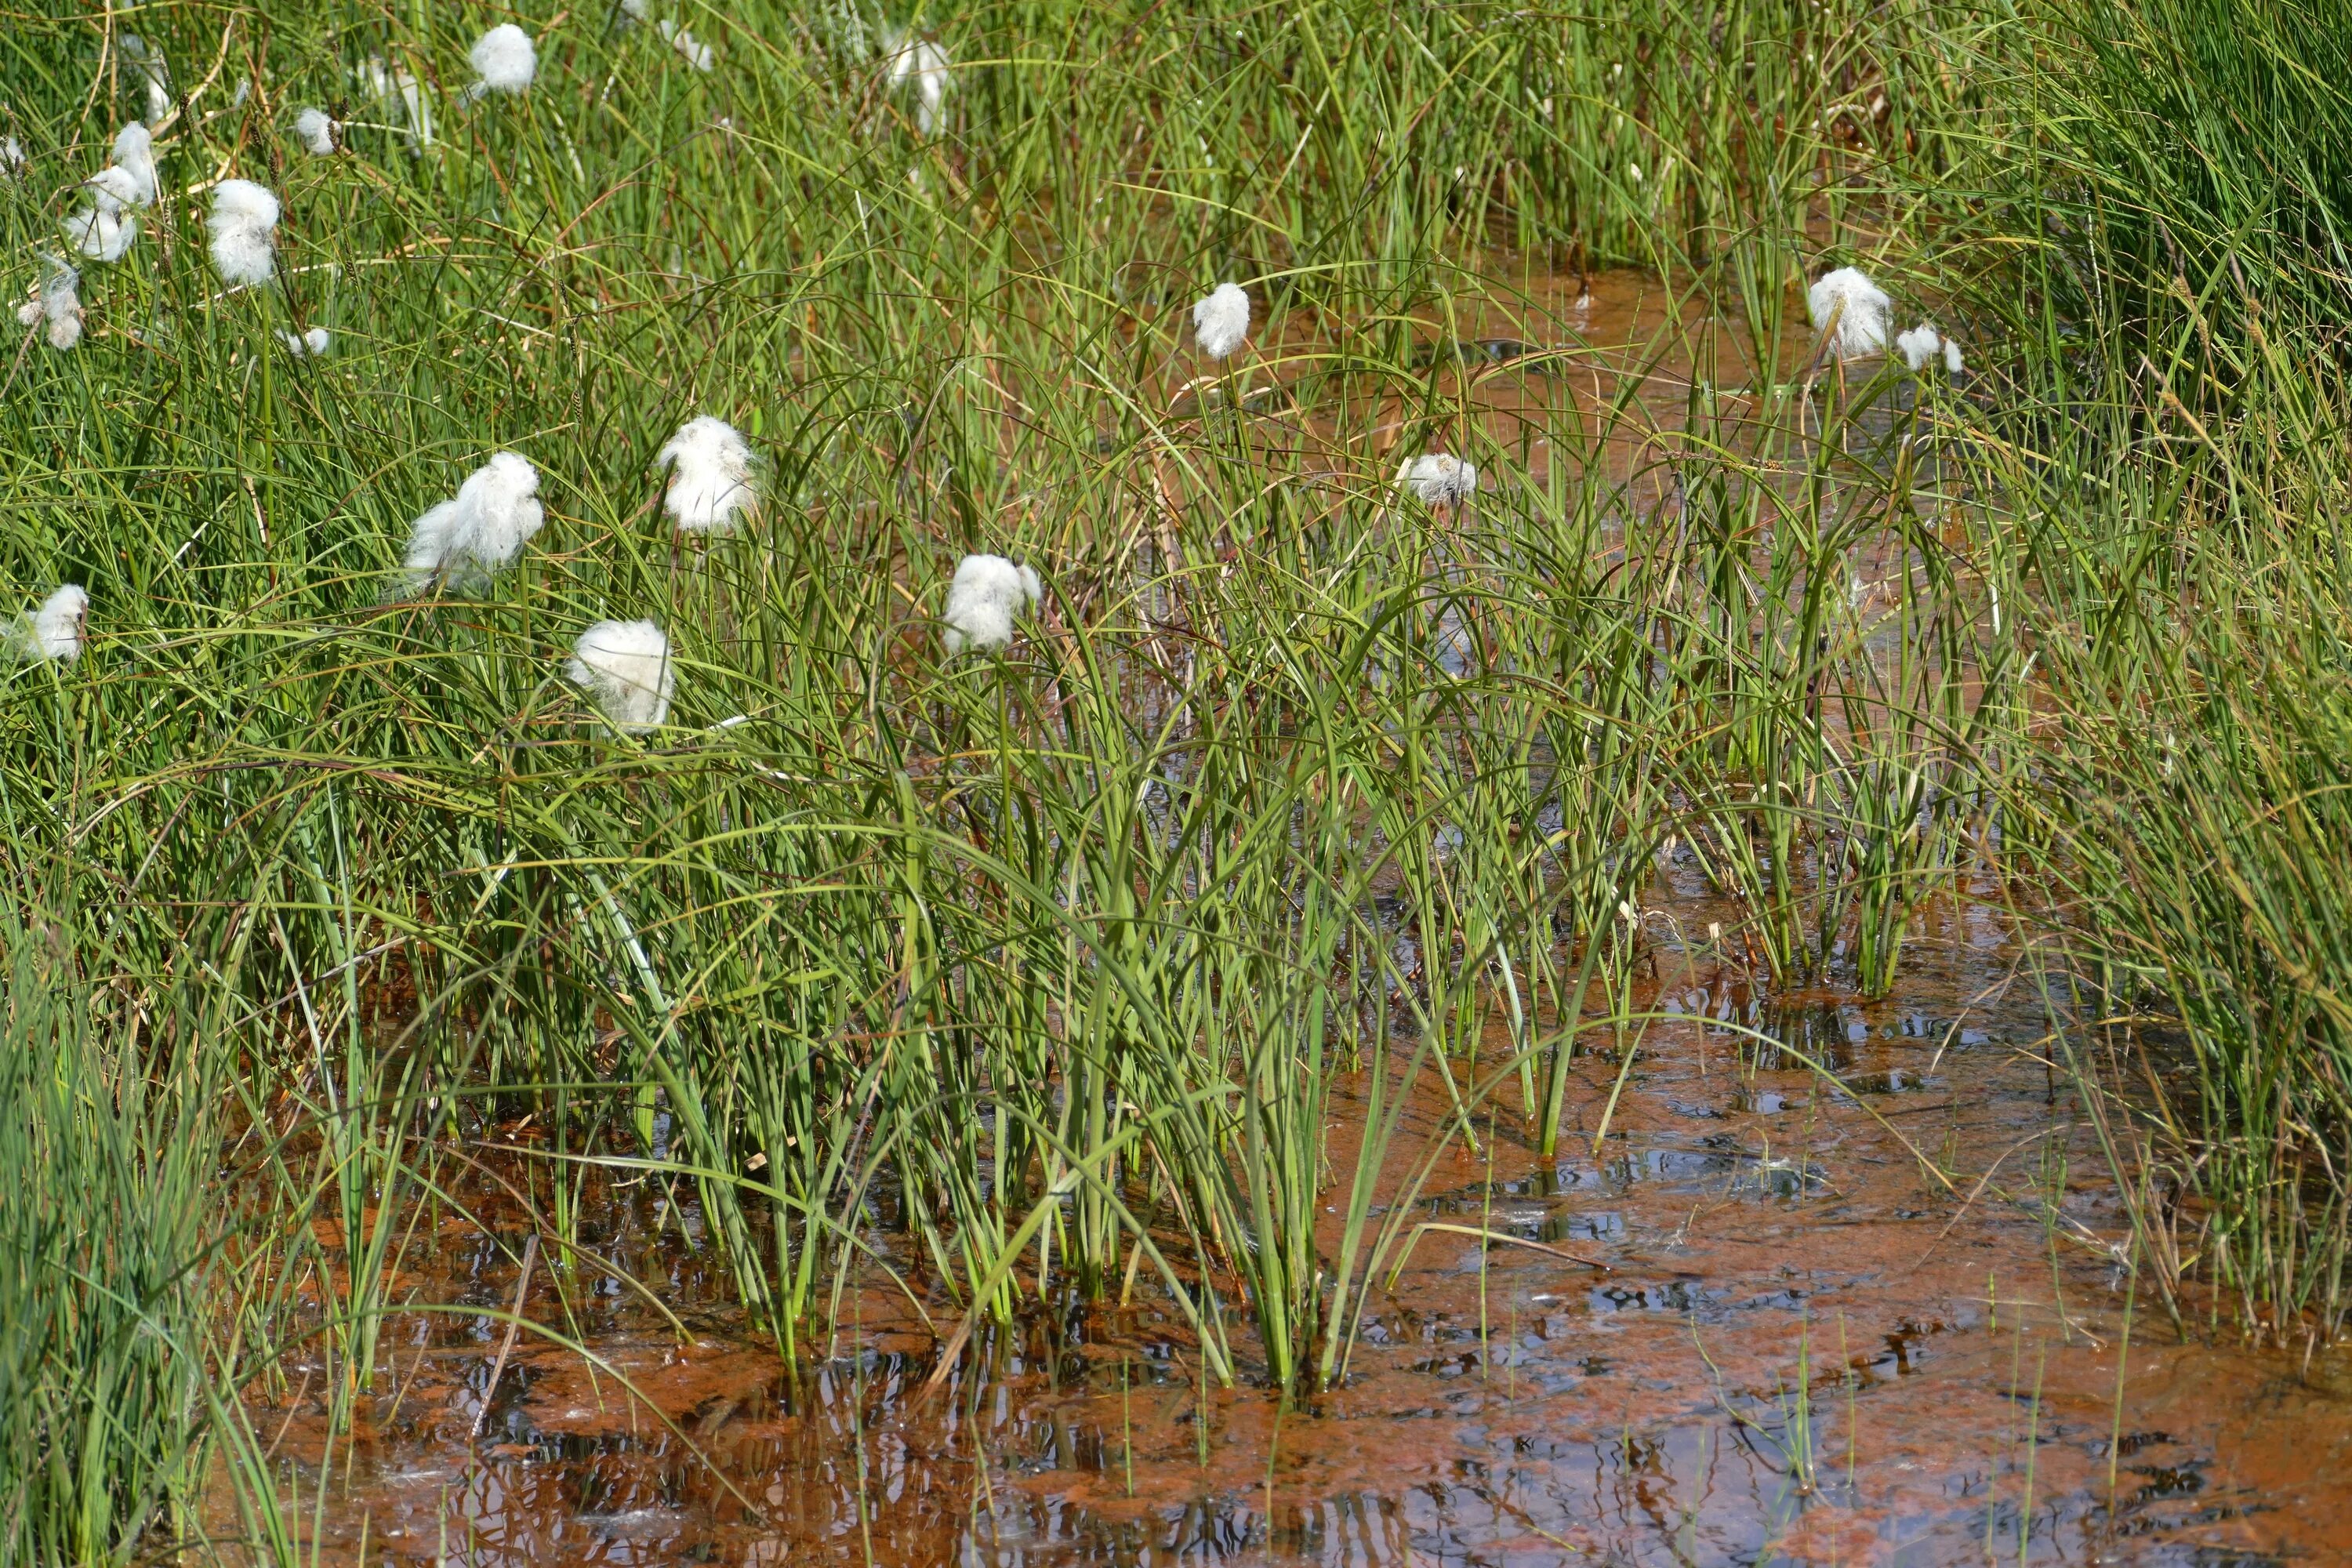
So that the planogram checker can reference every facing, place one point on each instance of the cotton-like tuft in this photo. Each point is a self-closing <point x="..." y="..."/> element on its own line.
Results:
<point x="101" y="231"/>
<point x="924" y="64"/>
<point x="505" y="60"/>
<point x="54" y="632"/>
<point x="386" y="83"/>
<point x="315" y="129"/>
<point x="1439" y="479"/>
<point x="58" y="304"/>
<point x="244" y="225"/>
<point x="711" y="475"/>
<point x="129" y="180"/>
<point x="695" y="52"/>
<point x="631" y="11"/>
<point x="987" y="594"/>
<point x="1221" y="323"/>
<point x="305" y="345"/>
<point x="11" y="156"/>
<point x="496" y="511"/>
<point x="625" y="667"/>
<point x="148" y="62"/>
<point x="1923" y="345"/>
<point x="1857" y="307"/>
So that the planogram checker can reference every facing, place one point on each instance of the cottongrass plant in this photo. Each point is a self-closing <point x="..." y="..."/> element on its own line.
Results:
<point x="53" y="634"/>
<point x="11" y="156"/>
<point x="58" y="304"/>
<point x="244" y="225"/>
<point x="1853" y="310"/>
<point x="315" y="129"/>
<point x="710" y="486"/>
<point x="1439" y="479"/>
<point x="308" y="344"/>
<point x="481" y="531"/>
<point x="923" y="64"/>
<point x="1221" y="323"/>
<point x="505" y="61"/>
<point x="1923" y="345"/>
<point x="387" y="84"/>
<point x="105" y="228"/>
<point x="625" y="667"/>
<point x="695" y="52"/>
<point x="986" y="596"/>
<point x="148" y="62"/>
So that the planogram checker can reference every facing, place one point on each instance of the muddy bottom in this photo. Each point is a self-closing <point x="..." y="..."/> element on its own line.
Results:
<point x="1804" y="1348"/>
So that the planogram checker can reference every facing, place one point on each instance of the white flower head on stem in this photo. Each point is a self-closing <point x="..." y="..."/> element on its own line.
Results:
<point x="1849" y="304"/>
<point x="484" y="528"/>
<point x="1221" y="323"/>
<point x="244" y="225"/>
<point x="1923" y="345"/>
<point x="315" y="129"/>
<point x="54" y="632"/>
<point x="631" y="12"/>
<point x="695" y="52"/>
<point x="305" y="345"/>
<point x="987" y="594"/>
<point x="129" y="180"/>
<point x="1439" y="479"/>
<point x="505" y="60"/>
<point x="711" y="484"/>
<point x="384" y="83"/>
<point x="923" y="63"/>
<point x="148" y="62"/>
<point x="11" y="156"/>
<point x="626" y="666"/>
<point x="101" y="231"/>
<point x="58" y="304"/>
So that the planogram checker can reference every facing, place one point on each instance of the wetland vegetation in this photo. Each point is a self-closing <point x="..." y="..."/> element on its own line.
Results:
<point x="1584" y="899"/>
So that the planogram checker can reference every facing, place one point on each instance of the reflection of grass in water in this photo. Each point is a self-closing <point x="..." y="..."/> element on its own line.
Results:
<point x="1029" y="979"/>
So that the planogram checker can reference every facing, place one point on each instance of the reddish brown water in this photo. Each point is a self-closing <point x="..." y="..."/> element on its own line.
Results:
<point x="1805" y="1349"/>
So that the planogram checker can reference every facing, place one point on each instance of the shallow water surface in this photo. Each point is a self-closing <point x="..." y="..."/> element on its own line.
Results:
<point x="1803" y="1348"/>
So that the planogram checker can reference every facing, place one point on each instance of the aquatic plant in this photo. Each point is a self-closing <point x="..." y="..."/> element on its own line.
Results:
<point x="53" y="633"/>
<point x="243" y="228"/>
<point x="1438" y="478"/>
<point x="626" y="666"/>
<point x="482" y="530"/>
<point x="710" y="486"/>
<point x="1851" y="310"/>
<point x="1923" y="345"/>
<point x="987" y="594"/>
<point x="56" y="306"/>
<point x="505" y="61"/>
<point x="315" y="129"/>
<point x="1221" y="323"/>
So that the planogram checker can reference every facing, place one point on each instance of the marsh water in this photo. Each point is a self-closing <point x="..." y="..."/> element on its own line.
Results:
<point x="1862" y="1300"/>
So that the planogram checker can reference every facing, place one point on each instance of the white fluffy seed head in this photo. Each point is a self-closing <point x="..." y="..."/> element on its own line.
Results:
<point x="135" y="162"/>
<point x="383" y="83"/>
<point x="1849" y="304"/>
<point x="1439" y="479"/>
<point x="505" y="60"/>
<point x="101" y="231"/>
<point x="483" y="530"/>
<point x="625" y="667"/>
<point x="58" y="304"/>
<point x="11" y="156"/>
<point x="499" y="509"/>
<point x="53" y="631"/>
<point x="244" y="224"/>
<point x="987" y="594"/>
<point x="697" y="53"/>
<point x="148" y="62"/>
<point x="923" y="63"/>
<point x="710" y="485"/>
<point x="1221" y="323"/>
<point x="1923" y="345"/>
<point x="305" y="345"/>
<point x="315" y="129"/>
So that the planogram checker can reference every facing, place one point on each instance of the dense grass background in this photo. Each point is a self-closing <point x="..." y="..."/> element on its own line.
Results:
<point x="1027" y="977"/>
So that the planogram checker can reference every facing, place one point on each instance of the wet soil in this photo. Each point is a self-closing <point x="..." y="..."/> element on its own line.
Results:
<point x="1805" y="1347"/>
